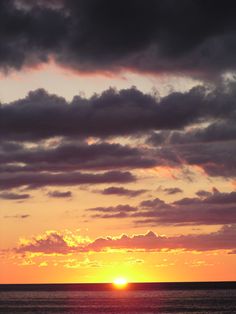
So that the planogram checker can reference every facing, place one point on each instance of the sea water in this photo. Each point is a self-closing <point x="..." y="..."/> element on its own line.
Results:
<point x="84" y="300"/>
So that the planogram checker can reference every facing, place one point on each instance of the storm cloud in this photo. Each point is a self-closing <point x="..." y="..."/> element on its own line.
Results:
<point x="196" y="37"/>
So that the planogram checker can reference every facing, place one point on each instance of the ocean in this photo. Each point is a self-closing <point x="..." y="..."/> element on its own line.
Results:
<point x="181" y="298"/>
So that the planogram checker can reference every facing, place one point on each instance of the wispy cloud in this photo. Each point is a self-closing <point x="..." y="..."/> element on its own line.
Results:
<point x="38" y="180"/>
<point x="214" y="209"/>
<point x="60" y="194"/>
<point x="120" y="191"/>
<point x="22" y="216"/>
<point x="169" y="191"/>
<point x="14" y="196"/>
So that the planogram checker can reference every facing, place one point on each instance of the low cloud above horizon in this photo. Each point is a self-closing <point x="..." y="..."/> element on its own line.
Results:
<point x="55" y="242"/>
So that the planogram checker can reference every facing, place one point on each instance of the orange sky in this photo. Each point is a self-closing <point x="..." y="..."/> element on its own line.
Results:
<point x="28" y="221"/>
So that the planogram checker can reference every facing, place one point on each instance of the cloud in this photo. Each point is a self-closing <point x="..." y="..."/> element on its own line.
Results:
<point x="23" y="216"/>
<point x="217" y="159"/>
<point x="203" y="193"/>
<point x="54" y="242"/>
<point x="215" y="198"/>
<point x="87" y="263"/>
<point x="14" y="196"/>
<point x="119" y="211"/>
<point x="222" y="239"/>
<point x="38" y="180"/>
<point x="41" y="116"/>
<point x="215" y="209"/>
<point x="219" y="131"/>
<point x="60" y="194"/>
<point x="170" y="191"/>
<point x="66" y="156"/>
<point x="120" y="191"/>
<point x="51" y="242"/>
<point x="209" y="145"/>
<point x="113" y="113"/>
<point x="89" y="36"/>
<point x="176" y="121"/>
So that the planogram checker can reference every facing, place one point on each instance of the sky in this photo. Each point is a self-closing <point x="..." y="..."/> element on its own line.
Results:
<point x="117" y="140"/>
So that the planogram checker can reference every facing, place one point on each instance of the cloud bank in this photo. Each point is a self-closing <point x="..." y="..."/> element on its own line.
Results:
<point x="56" y="243"/>
<point x="214" y="209"/>
<point x="196" y="37"/>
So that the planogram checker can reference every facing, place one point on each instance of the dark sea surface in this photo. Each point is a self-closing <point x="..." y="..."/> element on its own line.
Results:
<point x="179" y="298"/>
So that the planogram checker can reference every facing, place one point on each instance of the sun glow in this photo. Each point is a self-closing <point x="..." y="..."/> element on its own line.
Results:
<point x="120" y="283"/>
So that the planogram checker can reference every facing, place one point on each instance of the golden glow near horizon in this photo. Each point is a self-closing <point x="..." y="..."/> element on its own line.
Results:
<point x="120" y="283"/>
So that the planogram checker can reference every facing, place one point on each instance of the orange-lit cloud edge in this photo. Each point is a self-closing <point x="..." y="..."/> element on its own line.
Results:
<point x="138" y="257"/>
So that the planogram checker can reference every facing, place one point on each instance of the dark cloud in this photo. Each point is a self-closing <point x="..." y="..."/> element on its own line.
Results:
<point x="37" y="180"/>
<point x="211" y="198"/>
<point x="28" y="37"/>
<point x="203" y="193"/>
<point x="215" y="158"/>
<point x="75" y="156"/>
<point x="154" y="203"/>
<point x="41" y="116"/>
<point x="119" y="211"/>
<point x="220" y="131"/>
<point x="210" y="145"/>
<point x="57" y="243"/>
<point x="215" y="209"/>
<point x="57" y="164"/>
<point x="170" y="191"/>
<point x="117" y="190"/>
<point x="113" y="113"/>
<point x="118" y="208"/>
<point x="195" y="37"/>
<point x="60" y="194"/>
<point x="14" y="196"/>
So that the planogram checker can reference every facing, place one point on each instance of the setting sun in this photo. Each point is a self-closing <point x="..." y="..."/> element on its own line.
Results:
<point x="120" y="283"/>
